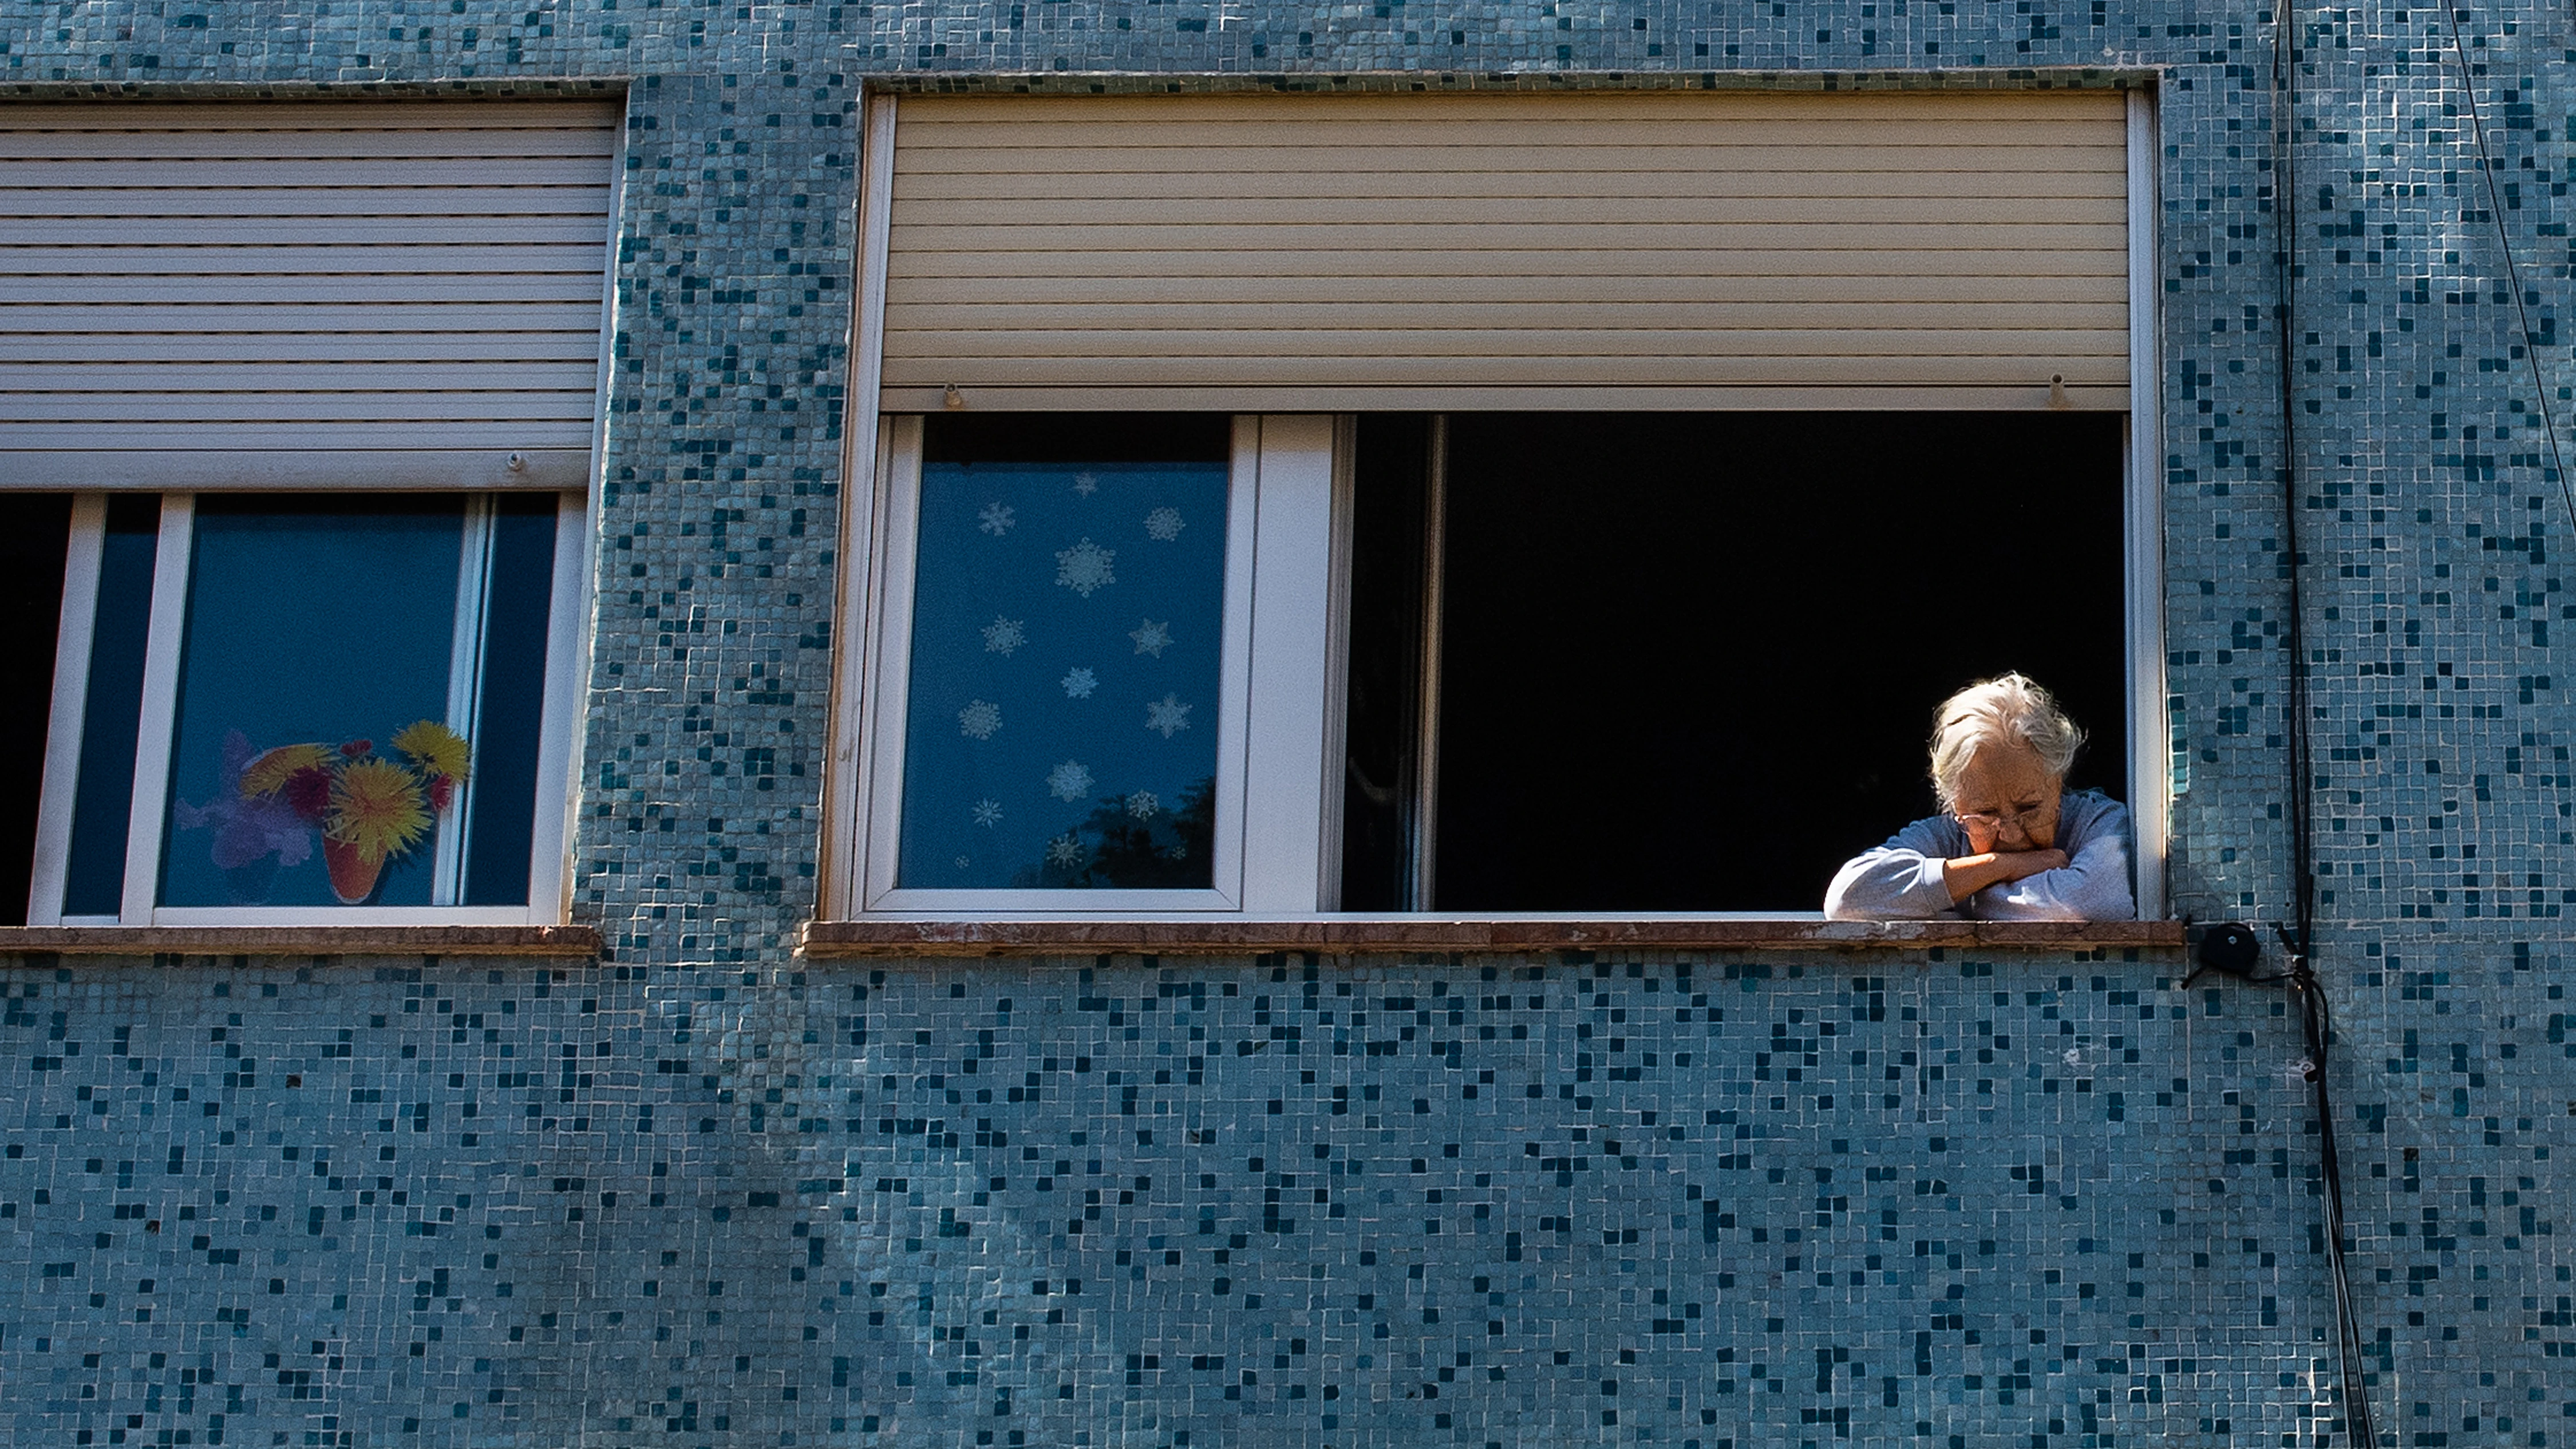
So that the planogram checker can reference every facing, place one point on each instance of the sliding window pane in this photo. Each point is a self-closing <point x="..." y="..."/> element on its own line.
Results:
<point x="511" y="700"/>
<point x="111" y="718"/>
<point x="319" y="641"/>
<point x="1069" y="595"/>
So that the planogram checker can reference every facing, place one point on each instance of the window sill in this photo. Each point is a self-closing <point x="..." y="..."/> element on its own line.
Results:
<point x="1350" y="936"/>
<point x="535" y="941"/>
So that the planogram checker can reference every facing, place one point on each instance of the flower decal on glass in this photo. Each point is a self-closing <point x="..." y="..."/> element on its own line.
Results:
<point x="1085" y="568"/>
<point x="1163" y="525"/>
<point x="370" y="811"/>
<point x="979" y="719"/>
<point x="1069" y="781"/>
<point x="1168" y="715"/>
<point x="1151" y="638"/>
<point x="1002" y="636"/>
<point x="1079" y="683"/>
<point x="996" y="519"/>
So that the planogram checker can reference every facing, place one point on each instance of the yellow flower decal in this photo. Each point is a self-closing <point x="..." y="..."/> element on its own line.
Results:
<point x="377" y="807"/>
<point x="434" y="747"/>
<point x="269" y="773"/>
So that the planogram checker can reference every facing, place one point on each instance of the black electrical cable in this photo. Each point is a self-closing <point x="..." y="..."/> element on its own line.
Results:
<point x="2298" y="941"/>
<point x="2512" y="272"/>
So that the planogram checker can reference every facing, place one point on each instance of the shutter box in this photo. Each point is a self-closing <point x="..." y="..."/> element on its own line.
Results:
<point x="1606" y="250"/>
<point x="274" y="294"/>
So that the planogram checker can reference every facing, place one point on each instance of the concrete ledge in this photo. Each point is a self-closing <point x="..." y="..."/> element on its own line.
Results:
<point x="299" y="941"/>
<point x="1352" y="936"/>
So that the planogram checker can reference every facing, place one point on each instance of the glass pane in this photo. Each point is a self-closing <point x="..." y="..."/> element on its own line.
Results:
<point x="1068" y="610"/>
<point x="319" y="637"/>
<point x="111" y="720"/>
<point x="504" y="793"/>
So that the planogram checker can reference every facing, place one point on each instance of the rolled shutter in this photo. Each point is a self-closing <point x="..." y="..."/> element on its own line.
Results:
<point x="265" y="294"/>
<point x="1666" y="249"/>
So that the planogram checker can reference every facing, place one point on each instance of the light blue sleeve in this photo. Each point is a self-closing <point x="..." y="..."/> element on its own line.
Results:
<point x="2092" y="886"/>
<point x="1898" y="881"/>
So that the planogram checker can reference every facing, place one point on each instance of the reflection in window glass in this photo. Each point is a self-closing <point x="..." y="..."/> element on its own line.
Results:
<point x="1061" y="727"/>
<point x="331" y="717"/>
<point x="102" y="801"/>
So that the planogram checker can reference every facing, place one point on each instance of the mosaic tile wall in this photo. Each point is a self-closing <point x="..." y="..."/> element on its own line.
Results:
<point x="1077" y="1203"/>
<point x="2427" y="169"/>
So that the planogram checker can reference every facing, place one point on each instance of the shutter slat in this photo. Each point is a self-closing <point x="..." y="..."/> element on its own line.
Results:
<point x="419" y="407"/>
<point x="286" y="435"/>
<point x="462" y="228"/>
<point x="1737" y="182"/>
<point x="1208" y="272"/>
<point x="410" y="281"/>
<point x="217" y="320"/>
<point x="362" y="172"/>
<point x="1904" y="242"/>
<point x="500" y="204"/>
<point x="958" y="295"/>
<point x="1165" y="370"/>
<point x="562" y="377"/>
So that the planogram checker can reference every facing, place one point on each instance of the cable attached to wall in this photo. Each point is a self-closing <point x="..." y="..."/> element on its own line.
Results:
<point x="2298" y="939"/>
<point x="2512" y="272"/>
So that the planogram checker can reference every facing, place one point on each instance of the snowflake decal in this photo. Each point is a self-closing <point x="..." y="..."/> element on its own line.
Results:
<point x="1180" y="850"/>
<point x="1084" y="568"/>
<point x="996" y="519"/>
<point x="1144" y="804"/>
<point x="1151" y="638"/>
<point x="1004" y="635"/>
<point x="1164" y="524"/>
<point x="963" y="862"/>
<point x="1086" y="484"/>
<point x="1065" y="850"/>
<point x="1167" y="714"/>
<point x="1069" y="781"/>
<point x="1079" y="683"/>
<point x="988" y="813"/>
<point x="979" y="719"/>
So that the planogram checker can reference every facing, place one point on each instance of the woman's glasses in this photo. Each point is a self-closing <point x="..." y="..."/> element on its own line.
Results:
<point x="1997" y="820"/>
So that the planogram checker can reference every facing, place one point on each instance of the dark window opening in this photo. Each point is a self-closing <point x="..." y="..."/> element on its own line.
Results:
<point x="35" y="529"/>
<point x="1688" y="661"/>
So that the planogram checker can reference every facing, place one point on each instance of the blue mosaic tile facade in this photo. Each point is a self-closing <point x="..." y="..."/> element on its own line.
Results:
<point x="701" y="1192"/>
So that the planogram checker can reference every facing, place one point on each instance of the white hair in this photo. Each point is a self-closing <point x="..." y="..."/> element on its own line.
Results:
<point x="2006" y="710"/>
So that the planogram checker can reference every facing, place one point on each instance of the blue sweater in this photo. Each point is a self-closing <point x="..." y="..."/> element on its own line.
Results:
<point x="1901" y="880"/>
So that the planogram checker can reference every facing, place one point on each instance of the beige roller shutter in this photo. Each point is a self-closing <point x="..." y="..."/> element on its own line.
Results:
<point x="265" y="294"/>
<point x="1670" y="249"/>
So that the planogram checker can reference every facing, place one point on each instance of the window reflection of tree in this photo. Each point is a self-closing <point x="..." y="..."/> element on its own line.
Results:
<point x="1168" y="850"/>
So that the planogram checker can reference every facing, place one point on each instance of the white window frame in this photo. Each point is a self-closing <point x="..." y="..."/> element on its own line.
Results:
<point x="146" y="820"/>
<point x="1274" y="682"/>
<point x="1292" y="803"/>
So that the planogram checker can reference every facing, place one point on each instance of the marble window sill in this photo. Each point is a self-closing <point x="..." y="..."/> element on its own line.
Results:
<point x="1352" y="936"/>
<point x="532" y="941"/>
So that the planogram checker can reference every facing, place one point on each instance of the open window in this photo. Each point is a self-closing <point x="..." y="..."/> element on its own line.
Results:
<point x="1686" y="448"/>
<point x="1646" y="663"/>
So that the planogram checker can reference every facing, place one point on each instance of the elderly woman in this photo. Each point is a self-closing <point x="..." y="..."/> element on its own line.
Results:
<point x="2013" y="844"/>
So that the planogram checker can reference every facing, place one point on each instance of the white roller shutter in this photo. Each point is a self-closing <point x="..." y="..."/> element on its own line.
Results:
<point x="277" y="293"/>
<point x="1668" y="249"/>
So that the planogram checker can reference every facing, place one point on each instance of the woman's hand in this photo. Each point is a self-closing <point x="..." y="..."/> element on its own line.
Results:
<point x="1965" y="875"/>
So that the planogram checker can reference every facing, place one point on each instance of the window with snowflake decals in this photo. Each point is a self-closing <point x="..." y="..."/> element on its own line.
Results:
<point x="1065" y="658"/>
